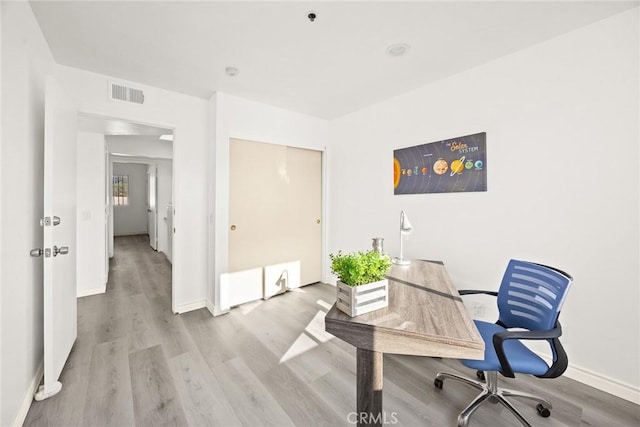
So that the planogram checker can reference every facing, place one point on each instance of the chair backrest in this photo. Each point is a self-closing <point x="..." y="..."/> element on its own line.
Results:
<point x="531" y="295"/>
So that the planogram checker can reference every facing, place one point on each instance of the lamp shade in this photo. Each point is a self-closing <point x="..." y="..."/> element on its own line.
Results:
<point x="405" y="225"/>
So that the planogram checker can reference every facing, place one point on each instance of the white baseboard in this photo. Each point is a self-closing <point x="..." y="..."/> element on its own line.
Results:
<point x="93" y="291"/>
<point x="215" y="310"/>
<point x="609" y="385"/>
<point x="191" y="306"/>
<point x="617" y="388"/>
<point x="131" y="233"/>
<point x="28" y="398"/>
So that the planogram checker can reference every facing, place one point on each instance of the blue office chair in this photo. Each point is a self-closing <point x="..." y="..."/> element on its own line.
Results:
<point x="530" y="298"/>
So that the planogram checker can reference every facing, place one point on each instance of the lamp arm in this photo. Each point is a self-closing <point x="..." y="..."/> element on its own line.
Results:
<point x="401" y="244"/>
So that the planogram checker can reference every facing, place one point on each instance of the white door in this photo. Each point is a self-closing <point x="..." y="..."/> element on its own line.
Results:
<point x="59" y="232"/>
<point x="275" y="202"/>
<point x="152" y="206"/>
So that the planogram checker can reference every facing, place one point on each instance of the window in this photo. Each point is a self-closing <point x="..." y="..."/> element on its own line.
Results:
<point x="120" y="190"/>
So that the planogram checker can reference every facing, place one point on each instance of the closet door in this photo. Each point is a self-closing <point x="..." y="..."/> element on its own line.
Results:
<point x="275" y="203"/>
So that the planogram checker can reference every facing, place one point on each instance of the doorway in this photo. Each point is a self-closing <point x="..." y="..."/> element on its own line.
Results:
<point x="136" y="177"/>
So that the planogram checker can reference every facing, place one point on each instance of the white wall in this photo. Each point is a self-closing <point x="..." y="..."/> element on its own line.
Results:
<point x="90" y="240"/>
<point x="233" y="117"/>
<point x="562" y="133"/>
<point x="131" y="218"/>
<point x="188" y="116"/>
<point x="25" y="61"/>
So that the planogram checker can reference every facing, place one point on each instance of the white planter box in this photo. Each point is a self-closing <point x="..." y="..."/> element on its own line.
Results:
<point x="356" y="300"/>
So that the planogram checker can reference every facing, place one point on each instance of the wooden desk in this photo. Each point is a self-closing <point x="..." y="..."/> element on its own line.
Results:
<point x="425" y="317"/>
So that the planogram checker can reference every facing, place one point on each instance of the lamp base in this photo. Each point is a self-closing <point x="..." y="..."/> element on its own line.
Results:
<point x="401" y="261"/>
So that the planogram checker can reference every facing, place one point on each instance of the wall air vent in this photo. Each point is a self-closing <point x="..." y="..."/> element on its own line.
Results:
<point x="124" y="93"/>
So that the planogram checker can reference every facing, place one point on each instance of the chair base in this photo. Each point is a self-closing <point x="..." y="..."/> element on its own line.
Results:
<point x="490" y="391"/>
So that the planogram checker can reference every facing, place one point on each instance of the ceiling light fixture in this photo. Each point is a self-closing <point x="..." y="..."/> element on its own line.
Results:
<point x="231" y="71"/>
<point x="397" y="49"/>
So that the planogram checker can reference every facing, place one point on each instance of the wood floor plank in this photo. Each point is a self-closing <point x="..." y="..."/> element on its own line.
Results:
<point x="170" y="329"/>
<point x="214" y="337"/>
<point x="283" y="382"/>
<point x="125" y="280"/>
<point x="253" y="404"/>
<point x="155" y="399"/>
<point x="109" y="399"/>
<point x="203" y="401"/>
<point x="142" y="331"/>
<point x="111" y="317"/>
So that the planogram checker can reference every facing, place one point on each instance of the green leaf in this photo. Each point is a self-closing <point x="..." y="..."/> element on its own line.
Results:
<point x="360" y="268"/>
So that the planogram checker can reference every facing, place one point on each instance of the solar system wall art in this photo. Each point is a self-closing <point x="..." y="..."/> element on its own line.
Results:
<point x="451" y="166"/>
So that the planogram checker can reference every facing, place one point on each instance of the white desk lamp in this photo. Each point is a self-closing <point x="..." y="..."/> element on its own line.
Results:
<point x="405" y="229"/>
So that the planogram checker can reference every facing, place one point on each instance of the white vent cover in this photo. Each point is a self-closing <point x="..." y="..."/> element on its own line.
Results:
<point x="124" y="93"/>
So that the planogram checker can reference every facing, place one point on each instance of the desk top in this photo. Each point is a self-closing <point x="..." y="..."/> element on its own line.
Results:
<point x="425" y="317"/>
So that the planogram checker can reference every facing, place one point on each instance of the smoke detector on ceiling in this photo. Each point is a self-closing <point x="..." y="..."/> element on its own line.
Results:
<point x="120" y="92"/>
<point x="397" y="49"/>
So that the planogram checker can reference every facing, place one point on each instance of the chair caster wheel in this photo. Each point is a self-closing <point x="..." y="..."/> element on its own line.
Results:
<point x="480" y="375"/>
<point x="438" y="383"/>
<point x="543" y="411"/>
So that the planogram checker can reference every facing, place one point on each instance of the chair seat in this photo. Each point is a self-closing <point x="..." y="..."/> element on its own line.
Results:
<point x="521" y="359"/>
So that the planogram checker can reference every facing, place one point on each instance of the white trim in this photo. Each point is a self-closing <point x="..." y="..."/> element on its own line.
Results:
<point x="131" y="233"/>
<point x="93" y="291"/>
<point x="617" y="388"/>
<point x="215" y="310"/>
<point x="325" y="273"/>
<point x="190" y="306"/>
<point x="28" y="398"/>
<point x="609" y="385"/>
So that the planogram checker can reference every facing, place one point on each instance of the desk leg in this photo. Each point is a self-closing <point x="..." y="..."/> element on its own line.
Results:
<point x="369" y="387"/>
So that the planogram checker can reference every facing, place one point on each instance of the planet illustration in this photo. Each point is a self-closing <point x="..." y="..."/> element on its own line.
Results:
<point x="440" y="166"/>
<point x="424" y="170"/>
<point x="396" y="172"/>
<point x="479" y="164"/>
<point x="457" y="166"/>
<point x="468" y="164"/>
<point x="409" y="171"/>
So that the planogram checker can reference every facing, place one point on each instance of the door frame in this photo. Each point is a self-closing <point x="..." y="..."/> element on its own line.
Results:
<point x="176" y="266"/>
<point x="152" y="179"/>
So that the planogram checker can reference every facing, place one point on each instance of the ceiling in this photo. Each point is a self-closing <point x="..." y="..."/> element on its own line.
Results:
<point x="325" y="68"/>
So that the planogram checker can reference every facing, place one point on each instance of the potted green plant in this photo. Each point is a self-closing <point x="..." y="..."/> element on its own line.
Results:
<point x="362" y="286"/>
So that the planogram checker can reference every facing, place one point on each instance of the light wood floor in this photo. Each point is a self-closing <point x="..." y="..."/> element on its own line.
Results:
<point x="265" y="363"/>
